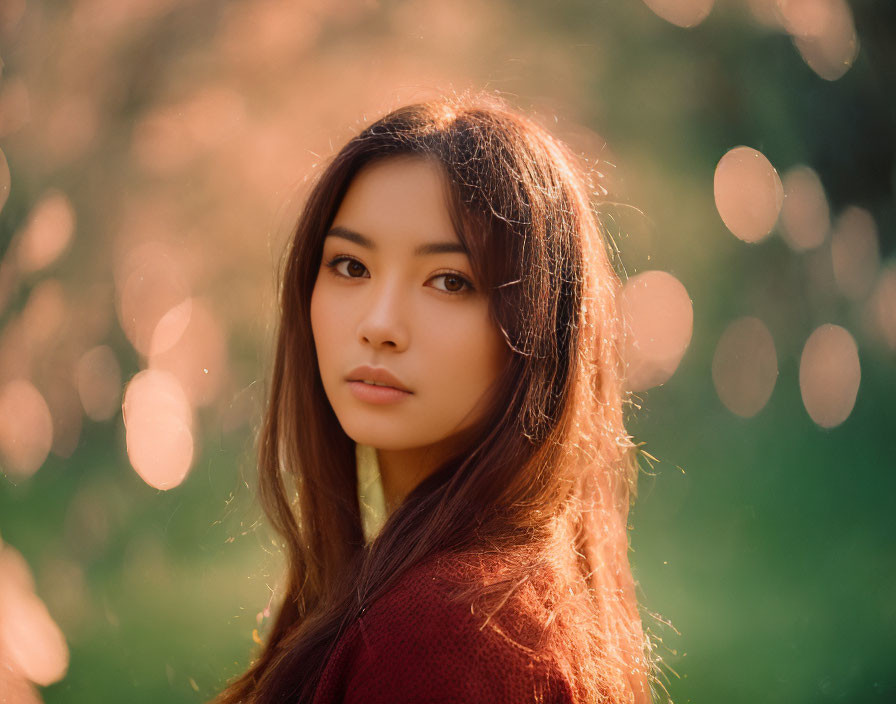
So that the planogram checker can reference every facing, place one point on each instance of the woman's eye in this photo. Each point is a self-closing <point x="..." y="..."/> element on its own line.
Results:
<point x="454" y="283"/>
<point x="350" y="268"/>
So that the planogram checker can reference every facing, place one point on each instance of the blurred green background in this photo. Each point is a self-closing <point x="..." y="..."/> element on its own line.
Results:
<point x="763" y="545"/>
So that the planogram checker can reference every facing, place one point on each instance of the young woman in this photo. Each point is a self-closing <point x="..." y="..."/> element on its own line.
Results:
<point x="448" y="302"/>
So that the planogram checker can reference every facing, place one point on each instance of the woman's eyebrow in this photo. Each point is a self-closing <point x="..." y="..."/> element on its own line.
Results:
<point x="429" y="248"/>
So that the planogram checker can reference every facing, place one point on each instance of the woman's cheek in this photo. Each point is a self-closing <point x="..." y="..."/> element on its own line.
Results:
<point x="329" y="316"/>
<point x="325" y="323"/>
<point x="462" y="361"/>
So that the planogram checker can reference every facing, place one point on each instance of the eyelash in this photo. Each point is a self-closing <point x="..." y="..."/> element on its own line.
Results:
<point x="334" y="262"/>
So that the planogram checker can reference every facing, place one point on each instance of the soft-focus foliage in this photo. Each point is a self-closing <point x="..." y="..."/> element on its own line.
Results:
<point x="153" y="156"/>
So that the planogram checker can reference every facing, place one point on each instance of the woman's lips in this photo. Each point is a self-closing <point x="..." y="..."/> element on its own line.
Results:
<point x="376" y="375"/>
<point x="371" y="393"/>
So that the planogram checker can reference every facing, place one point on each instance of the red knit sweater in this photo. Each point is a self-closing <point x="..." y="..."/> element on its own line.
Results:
<point x="415" y="645"/>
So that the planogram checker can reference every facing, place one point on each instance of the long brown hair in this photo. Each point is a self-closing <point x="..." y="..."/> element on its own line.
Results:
<point x="545" y="477"/>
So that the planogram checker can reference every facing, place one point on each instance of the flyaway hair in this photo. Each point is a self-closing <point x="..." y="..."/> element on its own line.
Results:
<point x="539" y="496"/>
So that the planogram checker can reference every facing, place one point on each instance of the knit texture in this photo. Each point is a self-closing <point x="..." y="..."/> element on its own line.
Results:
<point x="416" y="645"/>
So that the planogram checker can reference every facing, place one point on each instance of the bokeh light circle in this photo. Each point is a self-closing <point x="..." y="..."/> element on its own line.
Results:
<point x="748" y="193"/>
<point x="824" y="33"/>
<point x="190" y="343"/>
<point x="159" y="428"/>
<point x="829" y="375"/>
<point x="47" y="233"/>
<point x="30" y="637"/>
<point x="805" y="215"/>
<point x="26" y="433"/>
<point x="659" y="321"/>
<point x="883" y="305"/>
<point x="14" y="570"/>
<point x="98" y="380"/>
<point x="683" y="13"/>
<point x="14" y="686"/>
<point x="745" y="366"/>
<point x="150" y="282"/>
<point x="855" y="252"/>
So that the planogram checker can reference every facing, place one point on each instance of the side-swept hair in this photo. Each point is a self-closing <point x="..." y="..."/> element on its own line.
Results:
<point x="545" y="478"/>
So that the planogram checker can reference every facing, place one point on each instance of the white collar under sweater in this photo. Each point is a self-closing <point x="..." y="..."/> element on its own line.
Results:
<point x="370" y="491"/>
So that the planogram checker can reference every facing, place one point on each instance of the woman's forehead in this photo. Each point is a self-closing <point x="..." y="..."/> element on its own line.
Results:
<point x="398" y="203"/>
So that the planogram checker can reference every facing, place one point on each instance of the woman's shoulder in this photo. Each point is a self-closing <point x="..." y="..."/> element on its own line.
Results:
<point x="442" y="589"/>
<point x="424" y="641"/>
<point x="438" y="594"/>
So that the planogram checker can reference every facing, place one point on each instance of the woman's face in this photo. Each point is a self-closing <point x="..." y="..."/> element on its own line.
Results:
<point x="395" y="293"/>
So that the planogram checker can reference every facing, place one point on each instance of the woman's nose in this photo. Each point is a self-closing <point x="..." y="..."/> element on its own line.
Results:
<point x="382" y="323"/>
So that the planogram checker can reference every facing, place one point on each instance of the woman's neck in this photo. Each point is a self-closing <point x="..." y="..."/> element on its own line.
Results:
<point x="402" y="470"/>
